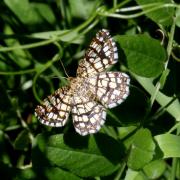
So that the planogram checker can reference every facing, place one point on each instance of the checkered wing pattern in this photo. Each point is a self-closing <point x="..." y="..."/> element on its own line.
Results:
<point x="91" y="92"/>
<point x="101" y="53"/>
<point x="110" y="88"/>
<point x="88" y="116"/>
<point x="55" y="109"/>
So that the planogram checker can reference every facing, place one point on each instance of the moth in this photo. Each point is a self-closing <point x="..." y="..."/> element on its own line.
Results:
<point x="91" y="92"/>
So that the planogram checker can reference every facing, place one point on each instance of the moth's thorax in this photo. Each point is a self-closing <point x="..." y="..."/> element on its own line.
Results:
<point x="77" y="85"/>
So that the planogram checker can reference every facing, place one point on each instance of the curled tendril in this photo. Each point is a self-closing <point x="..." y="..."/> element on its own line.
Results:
<point x="161" y="36"/>
<point x="176" y="53"/>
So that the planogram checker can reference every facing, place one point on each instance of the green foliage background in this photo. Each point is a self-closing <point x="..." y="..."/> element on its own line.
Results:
<point x="141" y="137"/>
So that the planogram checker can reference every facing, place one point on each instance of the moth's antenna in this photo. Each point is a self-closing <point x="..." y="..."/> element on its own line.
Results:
<point x="64" y="68"/>
<point x="59" y="47"/>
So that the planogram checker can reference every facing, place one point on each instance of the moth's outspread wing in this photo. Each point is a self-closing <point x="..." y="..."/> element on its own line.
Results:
<point x="101" y="53"/>
<point x="110" y="88"/>
<point x="91" y="92"/>
<point x="88" y="116"/>
<point x="55" y="109"/>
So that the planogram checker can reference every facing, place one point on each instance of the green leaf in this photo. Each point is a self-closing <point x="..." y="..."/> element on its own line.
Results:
<point x="63" y="35"/>
<point x="142" y="150"/>
<point x="178" y="170"/>
<point x="162" y="99"/>
<point x="83" y="156"/>
<point x="9" y="172"/>
<point x="20" y="9"/>
<point x="82" y="8"/>
<point x="4" y="156"/>
<point x="131" y="174"/>
<point x="163" y="16"/>
<point x="154" y="169"/>
<point x="177" y="17"/>
<point x="44" y="12"/>
<point x="54" y="173"/>
<point x="127" y="142"/>
<point x="19" y="56"/>
<point x="22" y="141"/>
<point x="169" y="145"/>
<point x="145" y="56"/>
<point x="47" y="173"/>
<point x="27" y="173"/>
<point x="125" y="131"/>
<point x="164" y="77"/>
<point x="31" y="13"/>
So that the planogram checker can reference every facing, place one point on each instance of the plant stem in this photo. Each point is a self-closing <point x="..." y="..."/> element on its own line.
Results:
<point x="174" y="168"/>
<point x="121" y="170"/>
<point x="18" y="72"/>
<point x="130" y="16"/>
<point x="169" y="49"/>
<point x="46" y="66"/>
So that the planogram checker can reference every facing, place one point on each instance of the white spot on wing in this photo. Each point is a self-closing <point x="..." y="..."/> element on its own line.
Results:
<point x="106" y="48"/>
<point x="115" y="55"/>
<point x="50" y="115"/>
